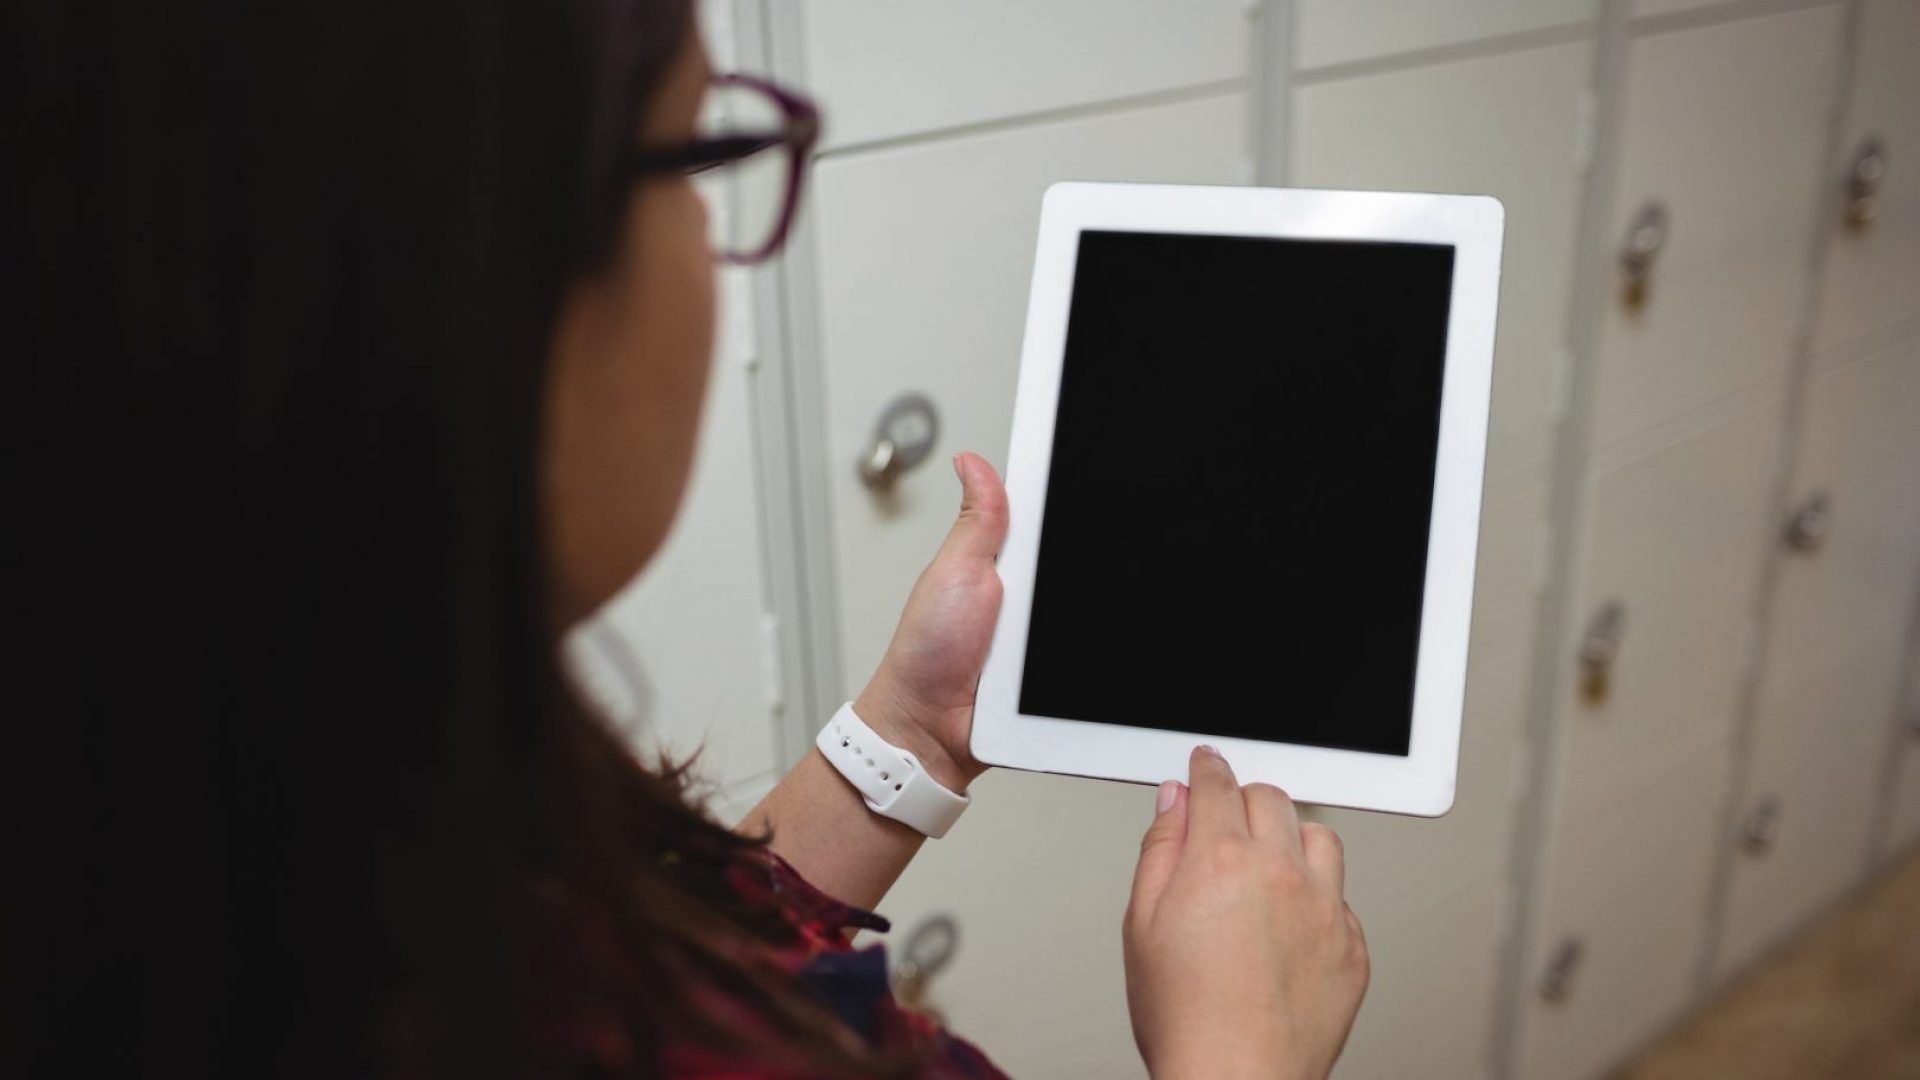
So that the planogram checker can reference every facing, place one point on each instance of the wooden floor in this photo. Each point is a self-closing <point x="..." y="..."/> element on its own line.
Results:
<point x="1844" y="1001"/>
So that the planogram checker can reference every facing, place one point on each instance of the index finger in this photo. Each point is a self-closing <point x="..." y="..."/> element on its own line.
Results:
<point x="1214" y="801"/>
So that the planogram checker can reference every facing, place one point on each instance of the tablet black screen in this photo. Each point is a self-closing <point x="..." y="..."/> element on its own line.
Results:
<point x="1235" y="533"/>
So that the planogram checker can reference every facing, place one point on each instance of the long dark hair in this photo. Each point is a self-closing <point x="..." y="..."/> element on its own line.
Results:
<point x="307" y="791"/>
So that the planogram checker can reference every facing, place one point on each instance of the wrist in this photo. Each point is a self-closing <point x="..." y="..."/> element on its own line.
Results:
<point x="901" y="722"/>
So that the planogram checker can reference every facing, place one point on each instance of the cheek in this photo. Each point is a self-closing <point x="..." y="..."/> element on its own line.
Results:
<point x="628" y="379"/>
<point x="683" y="289"/>
<point x="700" y="274"/>
<point x="670" y="339"/>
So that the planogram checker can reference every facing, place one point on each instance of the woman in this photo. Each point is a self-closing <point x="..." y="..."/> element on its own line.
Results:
<point x="365" y="345"/>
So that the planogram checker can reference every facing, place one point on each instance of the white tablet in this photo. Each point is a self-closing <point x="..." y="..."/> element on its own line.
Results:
<point x="1245" y="489"/>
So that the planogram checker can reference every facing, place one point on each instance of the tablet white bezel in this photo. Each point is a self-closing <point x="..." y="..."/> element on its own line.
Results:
<point x="1422" y="782"/>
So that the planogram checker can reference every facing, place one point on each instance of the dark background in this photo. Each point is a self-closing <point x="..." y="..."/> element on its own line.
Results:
<point x="1236" y="521"/>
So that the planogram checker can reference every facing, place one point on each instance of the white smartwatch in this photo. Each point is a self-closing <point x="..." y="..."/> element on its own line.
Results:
<point x="889" y="778"/>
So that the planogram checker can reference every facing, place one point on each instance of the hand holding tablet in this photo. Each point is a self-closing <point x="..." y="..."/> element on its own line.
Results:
<point x="1244" y="489"/>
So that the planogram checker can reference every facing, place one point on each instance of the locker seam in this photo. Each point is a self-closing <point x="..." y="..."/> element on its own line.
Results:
<point x="1555" y="604"/>
<point x="1867" y="343"/>
<point x="1621" y="452"/>
<point x="1793" y="409"/>
<point x="1270" y="108"/>
<point x="1108" y="106"/>
<point x="1720" y="14"/>
<point x="782" y="581"/>
<point x="1906" y="711"/>
<point x="1479" y="48"/>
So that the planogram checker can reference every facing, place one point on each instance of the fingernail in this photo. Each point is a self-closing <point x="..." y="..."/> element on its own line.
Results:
<point x="1169" y="791"/>
<point x="1208" y="748"/>
<point x="957" y="470"/>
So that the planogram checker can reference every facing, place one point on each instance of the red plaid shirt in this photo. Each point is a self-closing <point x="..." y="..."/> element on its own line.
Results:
<point x="851" y="982"/>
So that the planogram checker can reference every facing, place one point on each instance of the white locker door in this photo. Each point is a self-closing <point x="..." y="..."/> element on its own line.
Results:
<point x="1397" y="863"/>
<point x="1845" y="595"/>
<point x="1506" y="126"/>
<point x="1428" y="890"/>
<point x="1674" y="547"/>
<point x="1434" y="978"/>
<point x="1623" y="919"/>
<point x="924" y="257"/>
<point x="1724" y="126"/>
<point x="1429" y="893"/>
<point x="1851" y="582"/>
<point x="1801" y="833"/>
<point x="887" y="68"/>
<point x="1873" y="266"/>
<point x="925" y="253"/>
<point x="1327" y="32"/>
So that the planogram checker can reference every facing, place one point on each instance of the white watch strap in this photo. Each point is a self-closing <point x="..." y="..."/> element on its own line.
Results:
<point x="889" y="778"/>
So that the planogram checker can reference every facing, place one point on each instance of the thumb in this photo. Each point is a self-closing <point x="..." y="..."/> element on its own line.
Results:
<point x="1160" y="848"/>
<point x="982" y="525"/>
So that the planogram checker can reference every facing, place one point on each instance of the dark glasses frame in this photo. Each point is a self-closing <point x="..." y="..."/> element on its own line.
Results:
<point x="799" y="131"/>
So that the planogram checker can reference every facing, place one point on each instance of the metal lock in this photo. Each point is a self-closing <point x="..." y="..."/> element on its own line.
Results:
<point x="1810" y="522"/>
<point x="1556" y="983"/>
<point x="1645" y="238"/>
<point x="1598" y="651"/>
<point x="902" y="439"/>
<point x="1762" y="827"/>
<point x="928" y="950"/>
<point x="1865" y="178"/>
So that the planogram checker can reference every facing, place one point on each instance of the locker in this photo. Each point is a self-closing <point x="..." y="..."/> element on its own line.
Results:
<point x="1845" y="587"/>
<point x="1872" y="275"/>
<point x="1623" y="918"/>
<point x="1395" y="863"/>
<point x="1429" y="1005"/>
<point x="1427" y="891"/>
<point x="1505" y="125"/>
<point x="1673" y="550"/>
<point x="1800" y="836"/>
<point x="924" y="254"/>
<point x="924" y="258"/>
<point x="1857" y="485"/>
<point x="887" y="68"/>
<point x="1674" y="547"/>
<point x="1341" y="31"/>
<point x="924" y="214"/>
<point x="1502" y="125"/>
<point x="1717" y="186"/>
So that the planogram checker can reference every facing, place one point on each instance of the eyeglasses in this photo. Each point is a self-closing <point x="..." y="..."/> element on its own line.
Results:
<point x="764" y="135"/>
